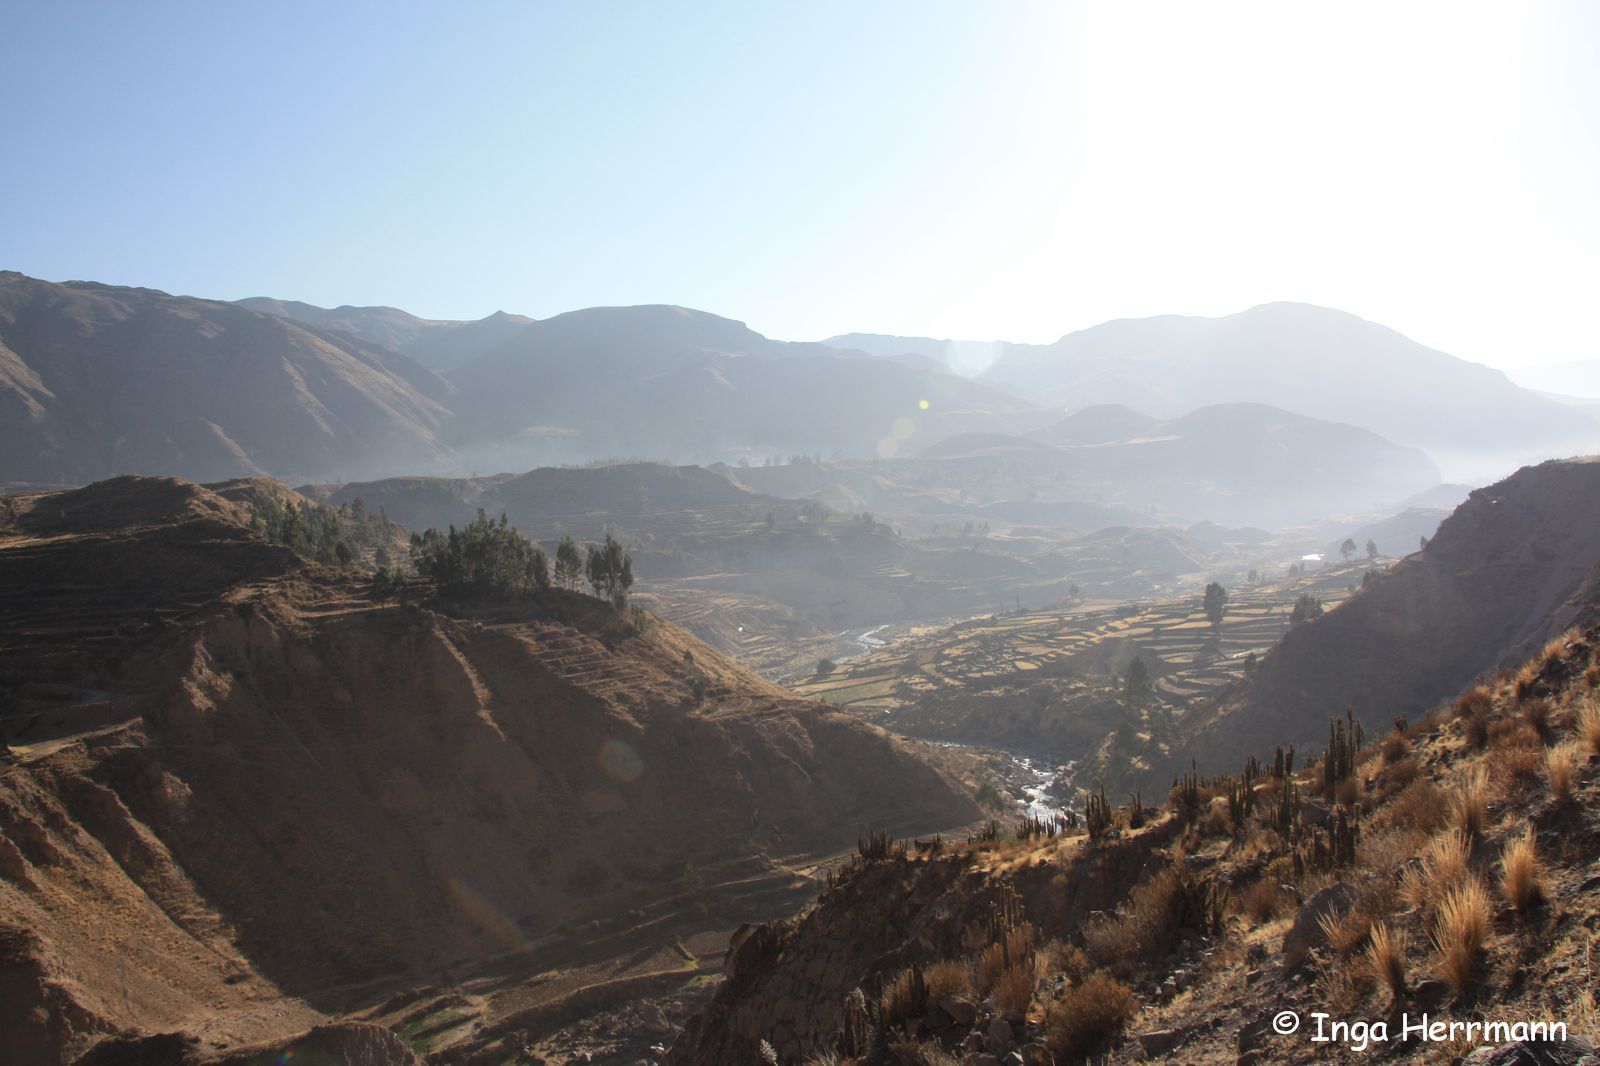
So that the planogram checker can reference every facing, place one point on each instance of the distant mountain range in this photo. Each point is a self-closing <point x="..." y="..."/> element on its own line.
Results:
<point x="97" y="380"/>
<point x="1311" y="360"/>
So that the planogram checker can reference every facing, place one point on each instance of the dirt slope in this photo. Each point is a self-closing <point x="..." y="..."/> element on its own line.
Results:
<point x="1509" y="569"/>
<point x="239" y="796"/>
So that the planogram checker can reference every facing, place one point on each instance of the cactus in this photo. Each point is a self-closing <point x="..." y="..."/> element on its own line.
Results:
<point x="1135" y="810"/>
<point x="1186" y="796"/>
<point x="1344" y="747"/>
<point x="1283" y="763"/>
<point x="1097" y="814"/>
<point x="1286" y="814"/>
<point x="988" y="833"/>
<point x="877" y="845"/>
<point x="856" y="1036"/>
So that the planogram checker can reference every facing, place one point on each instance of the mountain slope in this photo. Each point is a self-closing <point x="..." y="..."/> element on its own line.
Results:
<point x="438" y="344"/>
<point x="669" y="380"/>
<point x="1310" y="360"/>
<point x="1509" y="569"/>
<point x="1238" y="463"/>
<point x="237" y="790"/>
<point x="98" y="380"/>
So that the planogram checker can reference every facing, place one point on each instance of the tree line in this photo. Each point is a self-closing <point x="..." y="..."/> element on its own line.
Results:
<point x="490" y="557"/>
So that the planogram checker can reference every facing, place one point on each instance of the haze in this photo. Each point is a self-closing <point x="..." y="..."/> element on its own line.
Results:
<point x="990" y="172"/>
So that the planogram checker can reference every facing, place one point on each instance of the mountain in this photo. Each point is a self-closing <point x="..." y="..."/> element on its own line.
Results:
<point x="1240" y="463"/>
<point x="240" y="795"/>
<point x="1512" y="567"/>
<point x="1311" y="360"/>
<point x="669" y="380"/>
<point x="438" y="344"/>
<point x="98" y="380"/>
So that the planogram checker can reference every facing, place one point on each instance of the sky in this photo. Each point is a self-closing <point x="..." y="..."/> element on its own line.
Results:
<point x="952" y="169"/>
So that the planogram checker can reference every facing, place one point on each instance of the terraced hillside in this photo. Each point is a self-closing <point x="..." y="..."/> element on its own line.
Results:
<point x="1050" y="683"/>
<point x="241" y="795"/>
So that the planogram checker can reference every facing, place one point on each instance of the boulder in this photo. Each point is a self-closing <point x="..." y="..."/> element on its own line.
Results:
<point x="1158" y="1042"/>
<point x="1306" y="932"/>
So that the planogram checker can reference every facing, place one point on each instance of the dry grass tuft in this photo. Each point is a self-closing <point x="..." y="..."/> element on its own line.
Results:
<point x="1396" y="746"/>
<point x="951" y="977"/>
<point x="1013" y="990"/>
<point x="1263" y="901"/>
<point x="1560" y="767"/>
<point x="1460" y="933"/>
<point x="1537" y="714"/>
<point x="1475" y="702"/>
<point x="1420" y="805"/>
<point x="1088" y="1016"/>
<point x="1587" y="726"/>
<point x="1386" y="959"/>
<point x="1346" y="932"/>
<point x="1444" y="868"/>
<point x="1469" y="806"/>
<point x="1475" y="728"/>
<point x="1521" y="877"/>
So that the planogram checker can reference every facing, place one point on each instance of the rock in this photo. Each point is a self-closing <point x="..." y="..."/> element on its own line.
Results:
<point x="1182" y="979"/>
<point x="1306" y="933"/>
<point x="1012" y="1058"/>
<point x="1169" y="989"/>
<point x="961" y="1011"/>
<point x="977" y="1058"/>
<point x="1249" y="1058"/>
<point x="1573" y="1052"/>
<point x="1158" y="1041"/>
<point x="1036" y="1054"/>
<point x="999" y="1034"/>
<point x="1253" y="1035"/>
<point x="652" y="1020"/>
<point x="937" y="1018"/>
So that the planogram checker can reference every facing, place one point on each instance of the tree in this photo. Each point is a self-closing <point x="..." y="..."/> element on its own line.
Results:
<point x="569" y="564"/>
<point x="485" y="558"/>
<point x="1216" y="601"/>
<point x="1136" y="684"/>
<point x="1347" y="549"/>
<point x="1306" y="608"/>
<point x="1372" y="548"/>
<point x="610" y="571"/>
<point x="826" y="667"/>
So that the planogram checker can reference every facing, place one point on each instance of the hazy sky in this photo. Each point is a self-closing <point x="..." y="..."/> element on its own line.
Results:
<point x="989" y="170"/>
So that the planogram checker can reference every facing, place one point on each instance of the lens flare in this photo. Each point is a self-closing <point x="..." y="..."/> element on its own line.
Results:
<point x="620" y="762"/>
<point x="922" y="405"/>
<point x="488" y="915"/>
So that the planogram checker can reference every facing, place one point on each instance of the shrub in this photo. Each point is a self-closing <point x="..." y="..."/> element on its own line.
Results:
<point x="1395" y="747"/>
<point x="1386" y="959"/>
<point x="1013" y="990"/>
<point x="1475" y="728"/>
<point x="1460" y="933"/>
<point x="1419" y="805"/>
<point x="1521" y="879"/>
<point x="951" y="977"/>
<point x="1263" y="901"/>
<point x="1088" y="1016"/>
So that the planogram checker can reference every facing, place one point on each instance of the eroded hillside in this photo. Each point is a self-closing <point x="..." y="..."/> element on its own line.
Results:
<point x="1446" y="868"/>
<point x="240" y="795"/>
